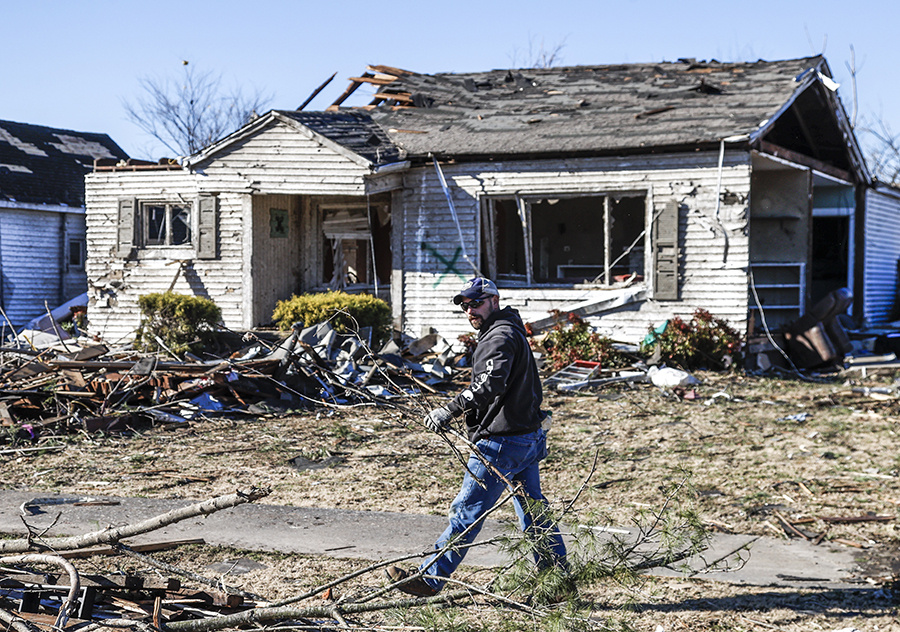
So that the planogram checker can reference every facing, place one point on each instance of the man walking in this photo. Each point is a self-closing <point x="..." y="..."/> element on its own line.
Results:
<point x="501" y="408"/>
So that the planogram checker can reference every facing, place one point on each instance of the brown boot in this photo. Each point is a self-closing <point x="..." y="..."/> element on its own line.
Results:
<point x="415" y="586"/>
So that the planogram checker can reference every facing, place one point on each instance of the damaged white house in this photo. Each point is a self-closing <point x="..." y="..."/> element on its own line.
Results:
<point x="42" y="216"/>
<point x="632" y="193"/>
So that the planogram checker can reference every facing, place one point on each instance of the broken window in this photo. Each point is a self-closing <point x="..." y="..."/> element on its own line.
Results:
<point x="165" y="224"/>
<point x="143" y="224"/>
<point x="589" y="239"/>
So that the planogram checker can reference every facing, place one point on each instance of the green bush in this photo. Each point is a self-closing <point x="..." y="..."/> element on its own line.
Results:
<point x="571" y="339"/>
<point x="340" y="308"/>
<point x="705" y="342"/>
<point x="183" y="323"/>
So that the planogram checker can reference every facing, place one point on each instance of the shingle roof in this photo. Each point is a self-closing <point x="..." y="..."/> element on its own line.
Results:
<point x="352" y="129"/>
<point x="586" y="109"/>
<point x="43" y="165"/>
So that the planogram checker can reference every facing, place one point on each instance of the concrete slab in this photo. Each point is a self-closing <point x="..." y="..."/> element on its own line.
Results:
<point x="383" y="535"/>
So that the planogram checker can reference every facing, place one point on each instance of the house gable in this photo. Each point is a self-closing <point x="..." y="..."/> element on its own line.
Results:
<point x="813" y="129"/>
<point x="299" y="153"/>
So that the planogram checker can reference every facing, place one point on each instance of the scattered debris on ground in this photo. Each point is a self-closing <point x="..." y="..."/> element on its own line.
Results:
<point x="51" y="384"/>
<point x="795" y="454"/>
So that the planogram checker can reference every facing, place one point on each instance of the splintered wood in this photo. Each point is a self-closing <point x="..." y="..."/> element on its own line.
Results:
<point x="92" y="389"/>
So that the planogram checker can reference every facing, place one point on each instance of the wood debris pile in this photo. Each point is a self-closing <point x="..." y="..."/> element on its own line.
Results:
<point x="32" y="599"/>
<point x="38" y="596"/>
<point x="60" y="386"/>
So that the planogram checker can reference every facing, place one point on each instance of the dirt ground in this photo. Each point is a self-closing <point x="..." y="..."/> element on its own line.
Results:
<point x="754" y="451"/>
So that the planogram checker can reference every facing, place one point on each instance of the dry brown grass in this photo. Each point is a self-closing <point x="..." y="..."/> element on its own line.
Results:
<point x="749" y="446"/>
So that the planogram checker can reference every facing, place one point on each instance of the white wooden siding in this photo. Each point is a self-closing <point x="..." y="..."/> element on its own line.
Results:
<point x="33" y="261"/>
<point x="712" y="242"/>
<point x="116" y="282"/>
<point x="248" y="275"/>
<point x="881" y="257"/>
<point x="278" y="159"/>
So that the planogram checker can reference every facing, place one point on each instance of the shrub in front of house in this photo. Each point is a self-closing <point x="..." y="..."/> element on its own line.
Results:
<point x="703" y="342"/>
<point x="572" y="339"/>
<point x="345" y="312"/>
<point x="183" y="323"/>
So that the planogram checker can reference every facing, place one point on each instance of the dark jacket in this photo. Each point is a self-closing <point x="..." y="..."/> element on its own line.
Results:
<point x="505" y="395"/>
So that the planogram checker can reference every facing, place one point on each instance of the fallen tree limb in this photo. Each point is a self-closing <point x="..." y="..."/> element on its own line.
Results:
<point x="113" y="535"/>
<point x="262" y="615"/>
<point x="131" y="552"/>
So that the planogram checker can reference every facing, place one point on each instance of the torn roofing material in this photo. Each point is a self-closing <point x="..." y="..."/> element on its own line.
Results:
<point x="586" y="110"/>
<point x="352" y="129"/>
<point x="44" y="165"/>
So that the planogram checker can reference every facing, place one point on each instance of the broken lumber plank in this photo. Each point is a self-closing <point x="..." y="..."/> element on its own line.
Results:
<point x="128" y="605"/>
<point x="346" y="93"/>
<point x="389" y="70"/>
<point x="854" y="519"/>
<point x="142" y="548"/>
<point x="790" y="528"/>
<point x="48" y="620"/>
<point x="108" y="582"/>
<point x="378" y="80"/>
<point x="404" y="97"/>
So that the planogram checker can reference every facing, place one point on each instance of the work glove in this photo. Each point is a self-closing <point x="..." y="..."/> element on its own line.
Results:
<point x="438" y="419"/>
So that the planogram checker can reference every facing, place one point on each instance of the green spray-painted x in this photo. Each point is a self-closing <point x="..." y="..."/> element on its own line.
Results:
<point x="449" y="265"/>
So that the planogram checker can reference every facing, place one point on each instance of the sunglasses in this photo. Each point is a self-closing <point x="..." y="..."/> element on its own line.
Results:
<point x="467" y="305"/>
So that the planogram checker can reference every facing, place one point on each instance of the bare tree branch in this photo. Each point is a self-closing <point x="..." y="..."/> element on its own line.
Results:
<point x="262" y="615"/>
<point x="110" y="535"/>
<point x="538" y="55"/>
<point x="851" y="67"/>
<point x="883" y="151"/>
<point x="190" y="114"/>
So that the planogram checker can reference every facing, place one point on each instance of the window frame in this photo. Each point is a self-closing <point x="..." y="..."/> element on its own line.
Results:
<point x="75" y="246"/>
<point x="488" y="238"/>
<point x="204" y="227"/>
<point x="144" y="239"/>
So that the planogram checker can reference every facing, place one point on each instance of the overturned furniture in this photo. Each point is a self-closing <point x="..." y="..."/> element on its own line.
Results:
<point x="817" y="338"/>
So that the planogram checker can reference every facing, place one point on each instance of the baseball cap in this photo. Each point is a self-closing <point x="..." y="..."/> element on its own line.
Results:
<point x="476" y="288"/>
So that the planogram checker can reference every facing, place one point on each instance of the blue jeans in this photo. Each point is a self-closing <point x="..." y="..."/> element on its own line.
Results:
<point x="517" y="458"/>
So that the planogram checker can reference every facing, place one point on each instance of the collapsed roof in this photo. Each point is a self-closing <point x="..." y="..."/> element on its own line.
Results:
<point x="602" y="109"/>
<point x="580" y="111"/>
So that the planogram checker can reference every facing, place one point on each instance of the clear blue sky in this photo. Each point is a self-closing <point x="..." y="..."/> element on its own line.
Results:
<point x="71" y="64"/>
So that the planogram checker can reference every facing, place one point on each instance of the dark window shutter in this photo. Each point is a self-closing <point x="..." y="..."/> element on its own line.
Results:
<point x="665" y="248"/>
<point x="207" y="225"/>
<point x="125" y="236"/>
